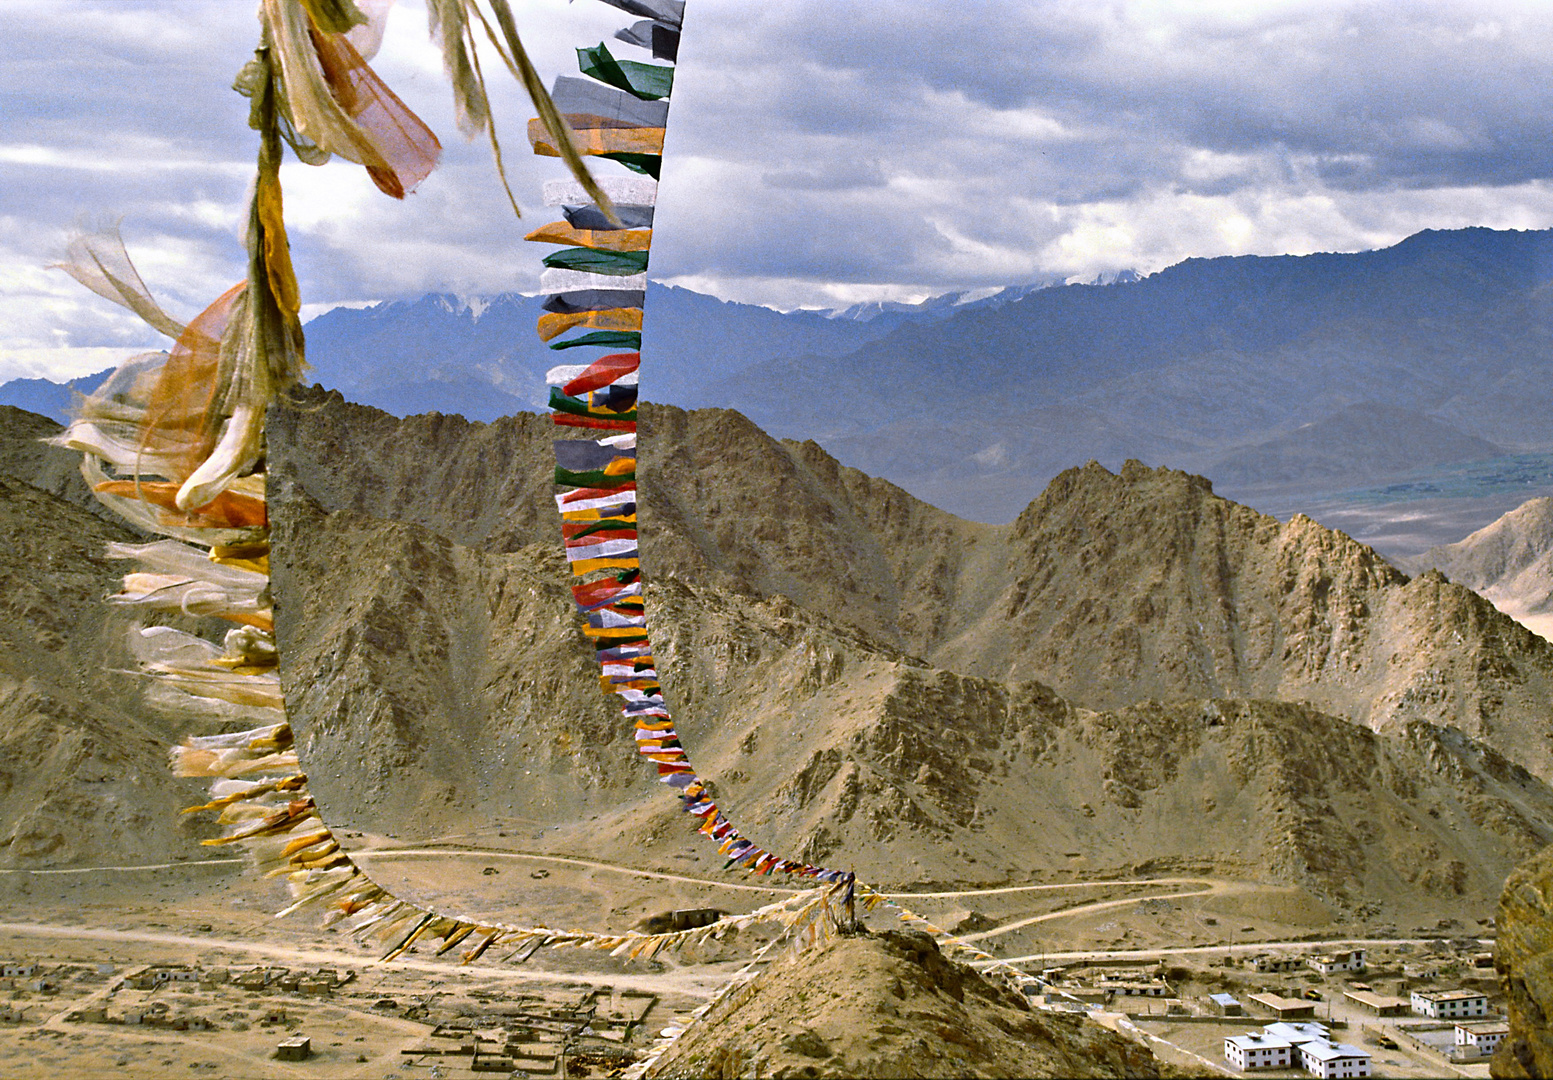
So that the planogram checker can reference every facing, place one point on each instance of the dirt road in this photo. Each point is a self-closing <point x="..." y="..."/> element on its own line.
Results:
<point x="681" y="980"/>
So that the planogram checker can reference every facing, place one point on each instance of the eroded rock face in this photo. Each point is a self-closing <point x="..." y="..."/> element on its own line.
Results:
<point x="1111" y="588"/>
<point x="892" y="1005"/>
<point x="435" y="677"/>
<point x="83" y="747"/>
<point x="1523" y="956"/>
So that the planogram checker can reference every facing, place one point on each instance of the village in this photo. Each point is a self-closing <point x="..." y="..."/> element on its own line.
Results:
<point x="1399" y="1009"/>
<point x="320" y="1020"/>
<point x="182" y="969"/>
<point x="1396" y="1010"/>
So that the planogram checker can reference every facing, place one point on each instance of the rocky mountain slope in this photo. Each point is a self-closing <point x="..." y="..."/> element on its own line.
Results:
<point x="438" y="687"/>
<point x="1111" y="588"/>
<point x="891" y="1005"/>
<point x="439" y="690"/>
<point x="83" y="747"/>
<point x="1523" y="956"/>
<point x="817" y="633"/>
<point x="1509" y="561"/>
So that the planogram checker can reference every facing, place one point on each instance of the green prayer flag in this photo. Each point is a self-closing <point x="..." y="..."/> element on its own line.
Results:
<point x="604" y="339"/>
<point x="598" y="261"/>
<point x="646" y="81"/>
<point x="646" y="164"/>
<point x="594" y="478"/>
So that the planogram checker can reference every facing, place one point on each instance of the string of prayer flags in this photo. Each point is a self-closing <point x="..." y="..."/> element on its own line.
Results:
<point x="598" y="516"/>
<point x="174" y="443"/>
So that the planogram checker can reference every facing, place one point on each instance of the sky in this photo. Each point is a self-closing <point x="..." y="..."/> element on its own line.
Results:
<point x="820" y="152"/>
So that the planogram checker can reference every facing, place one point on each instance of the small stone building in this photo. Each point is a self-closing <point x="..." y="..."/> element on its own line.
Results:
<point x="296" y="1048"/>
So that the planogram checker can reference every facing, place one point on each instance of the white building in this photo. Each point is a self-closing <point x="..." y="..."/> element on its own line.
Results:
<point x="20" y="970"/>
<point x="1298" y="1034"/>
<point x="1449" y="1004"/>
<point x="1484" y="1038"/>
<point x="1254" y="1051"/>
<point x="1327" y="963"/>
<point x="1331" y="1060"/>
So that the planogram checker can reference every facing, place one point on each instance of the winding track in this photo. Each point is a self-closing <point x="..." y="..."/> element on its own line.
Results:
<point x="1205" y="886"/>
<point x="685" y="980"/>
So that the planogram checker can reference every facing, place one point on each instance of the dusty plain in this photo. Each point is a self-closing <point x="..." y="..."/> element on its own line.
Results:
<point x="213" y="915"/>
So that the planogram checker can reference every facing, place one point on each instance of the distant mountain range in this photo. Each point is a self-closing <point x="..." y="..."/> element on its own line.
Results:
<point x="1269" y="374"/>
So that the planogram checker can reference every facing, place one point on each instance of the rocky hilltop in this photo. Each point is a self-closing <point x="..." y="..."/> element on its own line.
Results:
<point x="891" y="1005"/>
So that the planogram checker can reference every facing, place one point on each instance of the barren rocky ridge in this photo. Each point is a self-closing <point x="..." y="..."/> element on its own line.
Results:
<point x="865" y="677"/>
<point x="862" y="674"/>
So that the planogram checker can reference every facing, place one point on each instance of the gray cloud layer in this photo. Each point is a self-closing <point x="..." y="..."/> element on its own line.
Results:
<point x="818" y="152"/>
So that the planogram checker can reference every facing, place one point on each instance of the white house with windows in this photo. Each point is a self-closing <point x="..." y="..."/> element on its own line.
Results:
<point x="1330" y="1060"/>
<point x="1327" y="963"/>
<point x="1255" y="1050"/>
<point x="1483" y="1038"/>
<point x="1276" y="1046"/>
<point x="1449" y="1004"/>
<point x="1298" y="1033"/>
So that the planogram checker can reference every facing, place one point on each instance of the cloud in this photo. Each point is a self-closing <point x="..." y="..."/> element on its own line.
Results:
<point x="818" y="153"/>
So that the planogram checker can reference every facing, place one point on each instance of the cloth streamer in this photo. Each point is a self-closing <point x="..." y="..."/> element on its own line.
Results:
<point x="173" y="442"/>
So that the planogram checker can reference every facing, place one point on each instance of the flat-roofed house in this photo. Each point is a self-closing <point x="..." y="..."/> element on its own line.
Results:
<point x="1225" y="1005"/>
<point x="1285" y="1008"/>
<point x="1449" y="1004"/>
<point x="1484" y="1038"/>
<point x="1327" y="963"/>
<point x="1333" y="1061"/>
<point x="1266" y="963"/>
<point x="1257" y="1050"/>
<point x="1379" y="1004"/>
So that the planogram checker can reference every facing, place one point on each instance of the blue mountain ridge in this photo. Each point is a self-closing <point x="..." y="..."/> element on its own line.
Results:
<point x="1287" y="372"/>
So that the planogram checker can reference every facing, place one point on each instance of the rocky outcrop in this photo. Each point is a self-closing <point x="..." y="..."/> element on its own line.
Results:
<point x="891" y="1005"/>
<point x="1509" y="558"/>
<point x="83" y="746"/>
<point x="1523" y="956"/>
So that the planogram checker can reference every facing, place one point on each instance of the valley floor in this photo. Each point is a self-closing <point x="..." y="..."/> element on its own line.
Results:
<point x="1195" y="930"/>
